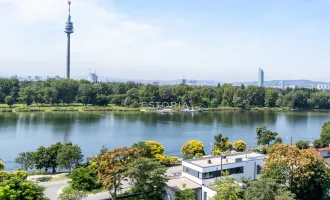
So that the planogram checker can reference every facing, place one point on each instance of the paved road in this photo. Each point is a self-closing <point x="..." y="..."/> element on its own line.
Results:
<point x="54" y="188"/>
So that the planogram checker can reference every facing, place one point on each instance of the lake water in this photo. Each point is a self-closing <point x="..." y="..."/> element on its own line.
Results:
<point x="27" y="131"/>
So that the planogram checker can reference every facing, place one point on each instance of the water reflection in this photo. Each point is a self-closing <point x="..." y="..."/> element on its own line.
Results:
<point x="207" y="118"/>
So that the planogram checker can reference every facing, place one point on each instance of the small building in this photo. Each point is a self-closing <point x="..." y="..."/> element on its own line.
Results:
<point x="322" y="153"/>
<point x="204" y="171"/>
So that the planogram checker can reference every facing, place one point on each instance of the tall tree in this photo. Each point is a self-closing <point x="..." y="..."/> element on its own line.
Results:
<point x="226" y="188"/>
<point x="267" y="189"/>
<point x="271" y="96"/>
<point x="69" y="156"/>
<point x="25" y="159"/>
<point x="148" y="177"/>
<point x="265" y="136"/>
<point x="299" y="171"/>
<point x="221" y="144"/>
<point x="111" y="167"/>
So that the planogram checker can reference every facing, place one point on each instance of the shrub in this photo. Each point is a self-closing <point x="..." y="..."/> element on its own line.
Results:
<point x="302" y="144"/>
<point x="193" y="147"/>
<point x="9" y="100"/>
<point x="155" y="147"/>
<point x="240" y="145"/>
<point x="84" y="179"/>
<point x="186" y="194"/>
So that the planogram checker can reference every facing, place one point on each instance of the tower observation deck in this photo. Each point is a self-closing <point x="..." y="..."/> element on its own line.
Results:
<point x="68" y="30"/>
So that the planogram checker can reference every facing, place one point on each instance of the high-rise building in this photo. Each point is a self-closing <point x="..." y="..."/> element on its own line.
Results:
<point x="92" y="77"/>
<point x="68" y="30"/>
<point x="282" y="87"/>
<point x="261" y="78"/>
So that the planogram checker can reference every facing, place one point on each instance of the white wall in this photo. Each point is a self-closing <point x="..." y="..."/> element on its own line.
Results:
<point x="195" y="179"/>
<point x="324" y="153"/>
<point x="209" y="193"/>
<point x="170" y="194"/>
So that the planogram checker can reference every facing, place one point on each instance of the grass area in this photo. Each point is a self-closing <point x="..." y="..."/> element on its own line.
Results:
<point x="62" y="108"/>
<point x="61" y="177"/>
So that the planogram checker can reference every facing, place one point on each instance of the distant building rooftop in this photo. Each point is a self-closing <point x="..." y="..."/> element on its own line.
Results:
<point x="209" y="161"/>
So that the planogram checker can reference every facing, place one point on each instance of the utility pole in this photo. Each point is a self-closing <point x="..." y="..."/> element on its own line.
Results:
<point x="291" y="140"/>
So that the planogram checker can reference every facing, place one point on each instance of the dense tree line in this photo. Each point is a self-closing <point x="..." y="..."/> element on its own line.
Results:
<point x="132" y="94"/>
<point x="64" y="156"/>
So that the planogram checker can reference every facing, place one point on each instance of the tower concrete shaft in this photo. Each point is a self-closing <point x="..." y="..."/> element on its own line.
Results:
<point x="68" y="30"/>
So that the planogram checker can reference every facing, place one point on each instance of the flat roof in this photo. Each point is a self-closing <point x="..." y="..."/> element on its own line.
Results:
<point x="230" y="158"/>
<point x="179" y="183"/>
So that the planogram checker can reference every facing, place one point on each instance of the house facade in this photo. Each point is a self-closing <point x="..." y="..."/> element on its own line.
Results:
<point x="204" y="171"/>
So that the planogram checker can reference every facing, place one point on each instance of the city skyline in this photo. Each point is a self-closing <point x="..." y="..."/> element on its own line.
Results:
<point x="216" y="40"/>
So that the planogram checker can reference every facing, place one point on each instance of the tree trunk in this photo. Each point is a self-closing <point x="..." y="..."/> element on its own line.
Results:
<point x="54" y="170"/>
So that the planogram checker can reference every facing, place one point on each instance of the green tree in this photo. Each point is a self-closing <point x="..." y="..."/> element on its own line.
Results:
<point x="186" y="194"/>
<point x="226" y="188"/>
<point x="302" y="144"/>
<point x="267" y="189"/>
<point x="324" y="140"/>
<point x="84" y="179"/>
<point x="221" y="144"/>
<point x="148" y="177"/>
<point x="9" y="100"/>
<point x="278" y="140"/>
<point x="271" y="96"/>
<point x="2" y="166"/>
<point x="17" y="188"/>
<point x="69" y="157"/>
<point x="53" y="152"/>
<point x="265" y="136"/>
<point x="41" y="158"/>
<point x="144" y="149"/>
<point x="25" y="159"/>
<point x="193" y="148"/>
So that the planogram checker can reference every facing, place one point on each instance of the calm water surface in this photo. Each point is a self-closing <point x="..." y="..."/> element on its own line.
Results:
<point x="26" y="131"/>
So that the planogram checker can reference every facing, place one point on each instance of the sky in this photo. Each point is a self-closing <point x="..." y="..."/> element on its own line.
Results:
<point x="168" y="39"/>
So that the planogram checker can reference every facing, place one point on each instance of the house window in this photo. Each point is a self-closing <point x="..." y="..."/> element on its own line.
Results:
<point x="205" y="195"/>
<point x="185" y="169"/>
<point x="328" y="153"/>
<point x="259" y="168"/>
<point x="208" y="175"/>
<point x="236" y="170"/>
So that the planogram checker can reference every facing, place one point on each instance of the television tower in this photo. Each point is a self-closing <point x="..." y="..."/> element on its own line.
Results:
<point x="68" y="30"/>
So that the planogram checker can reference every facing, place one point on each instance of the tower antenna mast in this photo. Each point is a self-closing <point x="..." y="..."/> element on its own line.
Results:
<point x="68" y="30"/>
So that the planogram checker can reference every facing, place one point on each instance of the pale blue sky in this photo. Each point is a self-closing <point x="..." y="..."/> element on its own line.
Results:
<point x="168" y="39"/>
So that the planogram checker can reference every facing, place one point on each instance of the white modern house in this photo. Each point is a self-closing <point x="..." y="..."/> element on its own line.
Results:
<point x="199" y="173"/>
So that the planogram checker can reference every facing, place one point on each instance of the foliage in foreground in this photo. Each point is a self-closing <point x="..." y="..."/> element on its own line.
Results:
<point x="298" y="171"/>
<point x="13" y="186"/>
<point x="148" y="177"/>
<point x="84" y="179"/>
<point x="226" y="188"/>
<point x="72" y="195"/>
<point x="186" y="194"/>
<point x="111" y="167"/>
<point x="221" y="144"/>
<point x="324" y="140"/>
<point x="267" y="189"/>
<point x="193" y="148"/>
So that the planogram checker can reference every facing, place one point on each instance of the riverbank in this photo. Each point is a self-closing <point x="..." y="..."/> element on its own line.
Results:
<point x="113" y="108"/>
